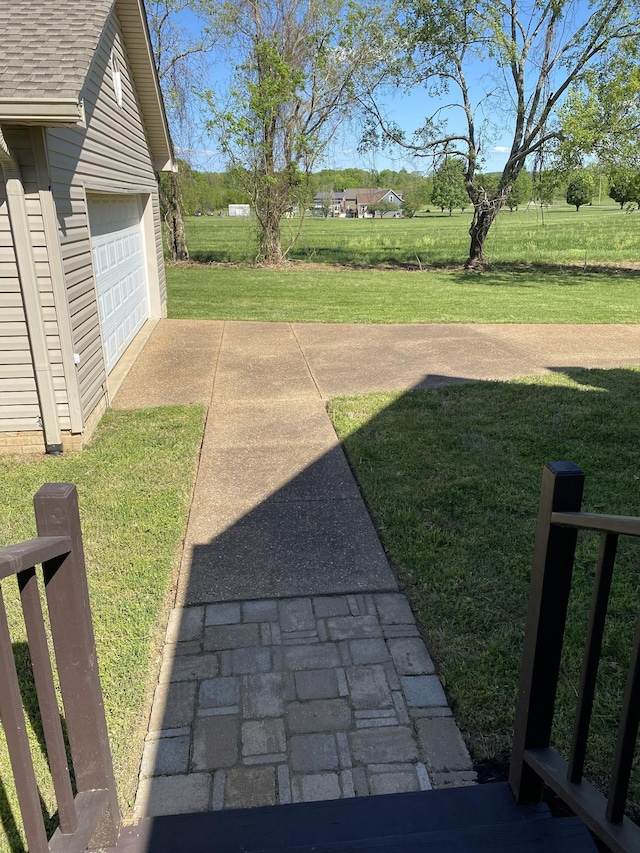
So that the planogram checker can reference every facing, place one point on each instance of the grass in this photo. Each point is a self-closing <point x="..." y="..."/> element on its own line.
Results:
<point x="537" y="273"/>
<point x="452" y="478"/>
<point x="375" y="296"/>
<point x="557" y="236"/>
<point x="134" y="484"/>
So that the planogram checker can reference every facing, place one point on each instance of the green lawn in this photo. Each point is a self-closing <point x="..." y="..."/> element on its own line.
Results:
<point x="367" y="271"/>
<point x="374" y="296"/>
<point x="559" y="235"/>
<point x="134" y="507"/>
<point x="452" y="478"/>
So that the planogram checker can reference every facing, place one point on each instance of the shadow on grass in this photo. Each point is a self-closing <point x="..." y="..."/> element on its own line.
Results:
<point x="494" y="272"/>
<point x="451" y="476"/>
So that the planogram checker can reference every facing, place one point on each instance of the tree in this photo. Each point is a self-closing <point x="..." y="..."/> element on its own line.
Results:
<point x="545" y="185"/>
<point x="448" y="185"/>
<point x="415" y="195"/>
<point x="623" y="184"/>
<point x="601" y="116"/>
<point x="536" y="52"/>
<point x="383" y="207"/>
<point x="177" y="53"/>
<point x="521" y="191"/>
<point x="296" y="64"/>
<point x="580" y="189"/>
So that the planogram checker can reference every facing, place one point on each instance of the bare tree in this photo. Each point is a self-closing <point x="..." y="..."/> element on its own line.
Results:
<point x="180" y="60"/>
<point x="529" y="55"/>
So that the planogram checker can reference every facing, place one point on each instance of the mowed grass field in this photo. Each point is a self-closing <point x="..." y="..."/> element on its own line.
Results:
<point x="552" y="266"/>
<point x="559" y="235"/>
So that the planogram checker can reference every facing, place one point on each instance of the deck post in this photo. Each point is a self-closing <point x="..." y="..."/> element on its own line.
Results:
<point x="562" y="487"/>
<point x="56" y="509"/>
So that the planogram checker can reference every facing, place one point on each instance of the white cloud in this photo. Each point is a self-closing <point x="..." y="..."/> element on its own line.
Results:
<point x="500" y="149"/>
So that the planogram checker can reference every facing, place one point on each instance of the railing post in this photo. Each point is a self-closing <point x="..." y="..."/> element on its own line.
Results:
<point x="56" y="509"/>
<point x="562" y="486"/>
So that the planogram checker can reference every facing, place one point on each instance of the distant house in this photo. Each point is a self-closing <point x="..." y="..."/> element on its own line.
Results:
<point x="357" y="202"/>
<point x="82" y="133"/>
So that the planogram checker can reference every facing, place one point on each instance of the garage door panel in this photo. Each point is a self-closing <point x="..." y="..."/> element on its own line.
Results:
<point x="116" y="239"/>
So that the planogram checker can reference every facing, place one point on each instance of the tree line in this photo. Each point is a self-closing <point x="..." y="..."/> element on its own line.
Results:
<point x="204" y="192"/>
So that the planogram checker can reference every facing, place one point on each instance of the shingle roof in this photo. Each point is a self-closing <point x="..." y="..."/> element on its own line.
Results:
<point x="46" y="46"/>
<point x="367" y="195"/>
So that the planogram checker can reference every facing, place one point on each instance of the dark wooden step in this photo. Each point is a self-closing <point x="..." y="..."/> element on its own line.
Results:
<point x="480" y="818"/>
<point x="550" y="835"/>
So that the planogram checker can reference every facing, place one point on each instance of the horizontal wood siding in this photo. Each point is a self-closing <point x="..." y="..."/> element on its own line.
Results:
<point x="157" y="227"/>
<point x="15" y="355"/>
<point x="112" y="153"/>
<point x="19" y="407"/>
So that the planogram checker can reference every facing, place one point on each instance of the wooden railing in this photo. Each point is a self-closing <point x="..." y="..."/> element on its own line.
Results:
<point x="91" y="817"/>
<point x="534" y="762"/>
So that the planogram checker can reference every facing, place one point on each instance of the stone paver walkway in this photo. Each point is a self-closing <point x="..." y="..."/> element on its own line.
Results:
<point x="265" y="702"/>
<point x="293" y="668"/>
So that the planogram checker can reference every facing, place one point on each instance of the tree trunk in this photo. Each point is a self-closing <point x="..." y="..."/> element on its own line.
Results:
<point x="269" y="240"/>
<point x="172" y="213"/>
<point x="179" y="250"/>
<point x="483" y="216"/>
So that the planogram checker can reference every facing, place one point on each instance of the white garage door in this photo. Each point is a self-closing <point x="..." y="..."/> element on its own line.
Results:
<point x="119" y="263"/>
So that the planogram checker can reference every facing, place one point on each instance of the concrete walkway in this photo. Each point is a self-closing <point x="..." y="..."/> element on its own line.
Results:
<point x="293" y="668"/>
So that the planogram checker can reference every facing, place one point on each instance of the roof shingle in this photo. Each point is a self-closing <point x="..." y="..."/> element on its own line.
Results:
<point x="46" y="46"/>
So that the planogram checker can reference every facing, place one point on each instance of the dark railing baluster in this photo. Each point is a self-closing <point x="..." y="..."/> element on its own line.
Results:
<point x="91" y="819"/>
<point x="534" y="761"/>
<point x="627" y="735"/>
<point x="18" y="743"/>
<point x="595" y="631"/>
<point x="47" y="700"/>
<point x="56" y="508"/>
<point x="562" y="486"/>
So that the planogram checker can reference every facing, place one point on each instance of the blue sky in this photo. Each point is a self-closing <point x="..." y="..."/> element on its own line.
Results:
<point x="408" y="111"/>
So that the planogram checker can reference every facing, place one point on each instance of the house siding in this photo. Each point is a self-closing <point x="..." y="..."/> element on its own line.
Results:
<point x="115" y="135"/>
<point x="19" y="405"/>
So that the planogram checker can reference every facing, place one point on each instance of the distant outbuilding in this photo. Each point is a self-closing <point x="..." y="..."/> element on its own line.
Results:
<point x="239" y="210"/>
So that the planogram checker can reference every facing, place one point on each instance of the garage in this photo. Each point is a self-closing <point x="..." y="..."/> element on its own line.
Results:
<point x="120" y="270"/>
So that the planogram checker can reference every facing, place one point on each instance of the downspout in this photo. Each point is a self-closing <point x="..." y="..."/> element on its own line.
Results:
<point x="17" y="207"/>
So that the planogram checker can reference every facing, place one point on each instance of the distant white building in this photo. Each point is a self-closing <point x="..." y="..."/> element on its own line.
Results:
<point x="239" y="210"/>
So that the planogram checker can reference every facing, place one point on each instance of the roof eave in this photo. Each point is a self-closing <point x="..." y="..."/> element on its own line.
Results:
<point x="52" y="112"/>
<point x="133" y="22"/>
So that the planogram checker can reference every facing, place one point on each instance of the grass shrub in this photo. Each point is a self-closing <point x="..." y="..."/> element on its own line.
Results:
<point x="554" y="266"/>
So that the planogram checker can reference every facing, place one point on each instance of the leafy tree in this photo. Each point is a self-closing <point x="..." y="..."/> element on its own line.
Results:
<point x="449" y="190"/>
<point x="536" y="51"/>
<point x="297" y="65"/>
<point x="545" y="185"/>
<point x="384" y="207"/>
<point x="178" y="56"/>
<point x="601" y="116"/>
<point x="623" y="184"/>
<point x="521" y="191"/>
<point x="416" y="195"/>
<point x="580" y="189"/>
